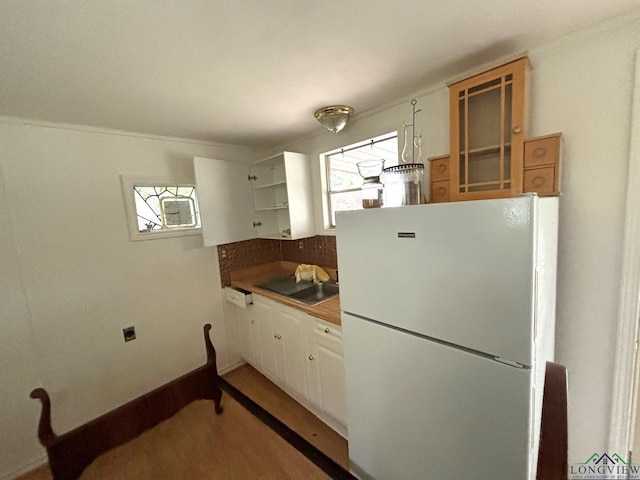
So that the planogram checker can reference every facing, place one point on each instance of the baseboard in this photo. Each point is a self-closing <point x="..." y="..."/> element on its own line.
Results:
<point x="231" y="368"/>
<point x="26" y="469"/>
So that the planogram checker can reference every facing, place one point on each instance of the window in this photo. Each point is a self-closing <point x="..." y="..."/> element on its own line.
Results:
<point x="157" y="208"/>
<point x="343" y="181"/>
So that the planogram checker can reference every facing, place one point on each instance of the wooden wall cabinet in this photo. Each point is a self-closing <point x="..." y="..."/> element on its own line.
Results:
<point x="490" y="155"/>
<point x="440" y="177"/>
<point x="541" y="165"/>
<point x="487" y="131"/>
<point x="540" y="173"/>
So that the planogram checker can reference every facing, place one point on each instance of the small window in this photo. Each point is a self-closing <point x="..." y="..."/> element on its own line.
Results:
<point x="157" y="208"/>
<point x="342" y="180"/>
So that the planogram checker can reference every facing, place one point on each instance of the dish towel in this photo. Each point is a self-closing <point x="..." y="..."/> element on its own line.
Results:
<point x="310" y="273"/>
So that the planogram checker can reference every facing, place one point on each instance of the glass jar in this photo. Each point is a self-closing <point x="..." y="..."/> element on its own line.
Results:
<point x="372" y="189"/>
<point x="404" y="185"/>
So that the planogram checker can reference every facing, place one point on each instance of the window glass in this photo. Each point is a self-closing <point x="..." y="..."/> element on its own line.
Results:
<point x="162" y="207"/>
<point x="157" y="208"/>
<point x="342" y="178"/>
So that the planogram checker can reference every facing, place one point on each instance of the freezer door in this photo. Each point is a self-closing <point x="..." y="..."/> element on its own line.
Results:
<point x="462" y="272"/>
<point x="417" y="409"/>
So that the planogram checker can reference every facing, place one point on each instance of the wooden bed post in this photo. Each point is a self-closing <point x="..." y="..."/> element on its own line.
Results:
<point x="211" y="362"/>
<point x="45" y="432"/>
<point x="553" y="451"/>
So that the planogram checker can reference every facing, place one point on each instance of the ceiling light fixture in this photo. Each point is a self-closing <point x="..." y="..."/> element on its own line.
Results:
<point x="335" y="117"/>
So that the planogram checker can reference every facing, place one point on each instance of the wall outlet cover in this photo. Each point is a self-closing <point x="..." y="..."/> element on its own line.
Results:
<point x="129" y="333"/>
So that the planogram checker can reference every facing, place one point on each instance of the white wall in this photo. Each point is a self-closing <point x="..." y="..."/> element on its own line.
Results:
<point x="581" y="85"/>
<point x="71" y="279"/>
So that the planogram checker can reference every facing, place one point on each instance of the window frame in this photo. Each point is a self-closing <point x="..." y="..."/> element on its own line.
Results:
<point x="326" y="174"/>
<point x="129" y="182"/>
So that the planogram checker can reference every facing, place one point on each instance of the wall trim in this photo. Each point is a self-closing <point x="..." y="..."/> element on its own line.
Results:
<point x="623" y="399"/>
<point x="122" y="133"/>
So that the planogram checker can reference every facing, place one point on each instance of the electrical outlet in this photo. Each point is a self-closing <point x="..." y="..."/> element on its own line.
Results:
<point x="129" y="333"/>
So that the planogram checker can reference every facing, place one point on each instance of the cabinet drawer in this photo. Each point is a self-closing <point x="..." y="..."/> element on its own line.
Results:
<point x="326" y="329"/>
<point x="540" y="180"/>
<point x="439" y="168"/>
<point x="328" y="335"/>
<point x="238" y="297"/>
<point x="542" y="151"/>
<point x="439" y="191"/>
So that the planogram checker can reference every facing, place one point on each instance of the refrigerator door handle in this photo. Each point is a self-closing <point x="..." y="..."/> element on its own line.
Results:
<point x="511" y="363"/>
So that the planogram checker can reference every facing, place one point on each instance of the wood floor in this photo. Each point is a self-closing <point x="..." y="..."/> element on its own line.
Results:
<point x="253" y="384"/>
<point x="266" y="394"/>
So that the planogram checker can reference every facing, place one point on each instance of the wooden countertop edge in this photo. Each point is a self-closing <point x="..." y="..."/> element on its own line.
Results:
<point x="247" y="278"/>
<point x="329" y="310"/>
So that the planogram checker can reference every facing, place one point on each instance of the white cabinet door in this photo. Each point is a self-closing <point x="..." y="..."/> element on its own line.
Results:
<point x="271" y="198"/>
<point x="225" y="199"/>
<point x="303" y="356"/>
<point x="293" y="324"/>
<point x="267" y="318"/>
<point x="249" y="337"/>
<point x="328" y="372"/>
<point x="299" y="189"/>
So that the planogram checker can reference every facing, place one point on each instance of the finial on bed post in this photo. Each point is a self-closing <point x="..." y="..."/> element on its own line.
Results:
<point x="211" y="361"/>
<point x="45" y="432"/>
<point x="211" y="352"/>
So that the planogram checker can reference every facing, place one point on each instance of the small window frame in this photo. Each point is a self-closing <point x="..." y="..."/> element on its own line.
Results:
<point x="129" y="182"/>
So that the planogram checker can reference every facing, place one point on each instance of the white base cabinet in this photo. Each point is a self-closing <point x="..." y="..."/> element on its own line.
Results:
<point x="293" y="325"/>
<point x="244" y="326"/>
<point x="249" y="338"/>
<point x="326" y="373"/>
<point x="303" y="356"/>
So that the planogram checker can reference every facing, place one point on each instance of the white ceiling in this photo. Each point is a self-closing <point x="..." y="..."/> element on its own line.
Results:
<point x="252" y="72"/>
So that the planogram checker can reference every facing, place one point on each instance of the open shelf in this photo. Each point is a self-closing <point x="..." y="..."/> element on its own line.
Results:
<point x="270" y="185"/>
<point x="282" y="207"/>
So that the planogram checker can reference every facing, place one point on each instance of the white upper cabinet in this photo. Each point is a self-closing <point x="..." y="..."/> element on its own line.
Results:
<point x="269" y="199"/>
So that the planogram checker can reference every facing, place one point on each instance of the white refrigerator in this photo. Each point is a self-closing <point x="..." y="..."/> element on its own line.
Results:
<point x="448" y="315"/>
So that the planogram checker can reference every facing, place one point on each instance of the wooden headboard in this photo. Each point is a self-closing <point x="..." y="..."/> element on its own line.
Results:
<point x="70" y="453"/>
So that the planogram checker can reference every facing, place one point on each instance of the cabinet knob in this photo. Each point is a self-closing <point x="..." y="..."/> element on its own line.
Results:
<point x="310" y="357"/>
<point x="326" y="330"/>
<point x="539" y="152"/>
<point x="538" y="181"/>
<point x="516" y="129"/>
<point x="253" y="321"/>
<point x="275" y="335"/>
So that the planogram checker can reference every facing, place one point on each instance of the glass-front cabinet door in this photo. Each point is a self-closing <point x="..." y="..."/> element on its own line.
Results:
<point x="487" y="133"/>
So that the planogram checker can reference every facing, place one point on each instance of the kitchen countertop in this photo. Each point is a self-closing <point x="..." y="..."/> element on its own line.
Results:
<point x="247" y="278"/>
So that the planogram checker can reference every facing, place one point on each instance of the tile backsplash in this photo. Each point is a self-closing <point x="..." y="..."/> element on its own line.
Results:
<point x="318" y="250"/>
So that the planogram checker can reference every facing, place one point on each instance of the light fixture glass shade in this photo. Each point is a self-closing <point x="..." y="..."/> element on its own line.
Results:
<point x="335" y="117"/>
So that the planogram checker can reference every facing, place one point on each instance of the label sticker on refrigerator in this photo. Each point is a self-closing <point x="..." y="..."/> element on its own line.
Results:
<point x="406" y="234"/>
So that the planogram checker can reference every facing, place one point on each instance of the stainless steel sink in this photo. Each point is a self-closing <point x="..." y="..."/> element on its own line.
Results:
<point x="307" y="292"/>
<point x="316" y="293"/>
